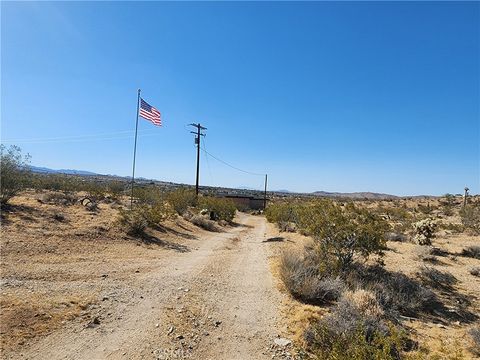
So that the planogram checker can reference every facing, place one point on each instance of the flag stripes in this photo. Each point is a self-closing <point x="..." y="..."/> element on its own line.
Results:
<point x="150" y="113"/>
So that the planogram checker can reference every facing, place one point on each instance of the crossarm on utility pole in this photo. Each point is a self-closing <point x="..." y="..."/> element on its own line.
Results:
<point x="198" y="134"/>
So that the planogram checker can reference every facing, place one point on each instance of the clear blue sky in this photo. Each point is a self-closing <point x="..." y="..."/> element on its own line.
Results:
<point x="332" y="96"/>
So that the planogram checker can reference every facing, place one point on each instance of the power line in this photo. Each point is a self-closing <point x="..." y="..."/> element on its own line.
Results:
<point x="206" y="159"/>
<point x="229" y="165"/>
<point x="79" y="138"/>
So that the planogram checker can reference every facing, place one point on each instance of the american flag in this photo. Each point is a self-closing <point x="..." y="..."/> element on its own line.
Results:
<point x="148" y="112"/>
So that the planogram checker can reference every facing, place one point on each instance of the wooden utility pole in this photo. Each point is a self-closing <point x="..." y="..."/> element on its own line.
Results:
<point x="265" y="194"/>
<point x="465" y="195"/>
<point x="198" y="134"/>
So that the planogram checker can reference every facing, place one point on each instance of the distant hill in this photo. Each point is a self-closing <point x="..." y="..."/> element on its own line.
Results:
<point x="355" y="195"/>
<point x="40" y="169"/>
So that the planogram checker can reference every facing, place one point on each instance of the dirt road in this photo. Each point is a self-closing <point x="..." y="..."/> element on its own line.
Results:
<point x="217" y="301"/>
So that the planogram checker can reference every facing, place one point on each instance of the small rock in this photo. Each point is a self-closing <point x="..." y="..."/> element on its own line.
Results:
<point x="282" y="342"/>
<point x="105" y="298"/>
<point x="157" y="325"/>
<point x="93" y="323"/>
<point x="216" y="323"/>
<point x="170" y="330"/>
<point x="179" y="337"/>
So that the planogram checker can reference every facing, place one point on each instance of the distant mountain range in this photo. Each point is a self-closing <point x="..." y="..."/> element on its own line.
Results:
<point x="40" y="169"/>
<point x="354" y="195"/>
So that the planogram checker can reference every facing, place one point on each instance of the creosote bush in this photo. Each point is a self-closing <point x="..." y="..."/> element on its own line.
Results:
<point x="157" y="213"/>
<point x="116" y="188"/>
<point x="470" y="216"/>
<point x="282" y="213"/>
<point x="223" y="209"/>
<point x="133" y="221"/>
<point x="448" y="203"/>
<point x="14" y="172"/>
<point x="345" y="233"/>
<point x="181" y="199"/>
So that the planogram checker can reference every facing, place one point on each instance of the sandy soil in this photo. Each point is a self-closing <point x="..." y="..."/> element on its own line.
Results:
<point x="75" y="289"/>
<point x="74" y="286"/>
<point x="443" y="337"/>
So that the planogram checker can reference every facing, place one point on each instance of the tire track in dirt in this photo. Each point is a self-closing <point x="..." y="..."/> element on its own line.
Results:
<point x="215" y="302"/>
<point x="233" y="303"/>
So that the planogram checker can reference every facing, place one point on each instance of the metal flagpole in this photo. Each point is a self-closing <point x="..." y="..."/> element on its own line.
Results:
<point x="134" y="151"/>
<point x="265" y="194"/>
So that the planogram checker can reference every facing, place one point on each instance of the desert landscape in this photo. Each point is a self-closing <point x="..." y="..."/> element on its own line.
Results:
<point x="240" y="180"/>
<point x="84" y="277"/>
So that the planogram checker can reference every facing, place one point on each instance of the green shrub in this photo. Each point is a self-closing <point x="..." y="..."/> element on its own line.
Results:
<point x="68" y="184"/>
<point x="157" y="213"/>
<point x="470" y="216"/>
<point x="281" y="212"/>
<point x="181" y="199"/>
<point x="149" y="195"/>
<point x="116" y="188"/>
<point x="425" y="209"/>
<point x="344" y="232"/>
<point x="448" y="204"/>
<point x="14" y="172"/>
<point x="133" y="221"/>
<point x="223" y="209"/>
<point x="347" y="233"/>
<point x="95" y="191"/>
<point x="454" y="228"/>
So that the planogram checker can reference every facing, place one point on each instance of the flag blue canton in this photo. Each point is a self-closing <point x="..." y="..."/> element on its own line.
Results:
<point x="150" y="113"/>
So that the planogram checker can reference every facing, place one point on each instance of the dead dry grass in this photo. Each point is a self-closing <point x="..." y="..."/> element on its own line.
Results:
<point x="28" y="315"/>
